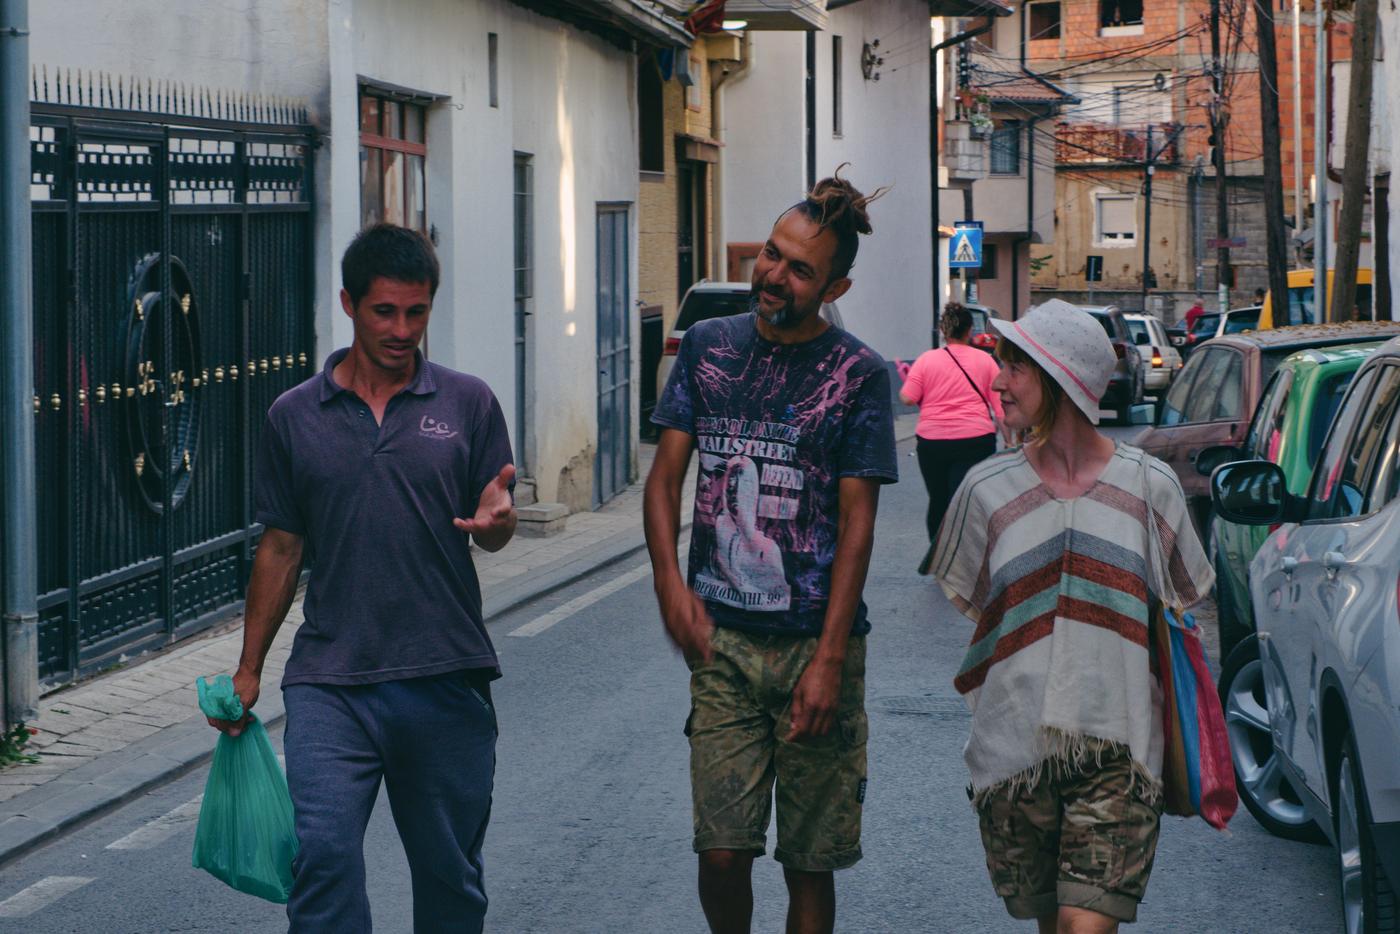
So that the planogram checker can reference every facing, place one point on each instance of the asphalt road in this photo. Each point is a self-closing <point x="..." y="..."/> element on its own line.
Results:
<point x="591" y="818"/>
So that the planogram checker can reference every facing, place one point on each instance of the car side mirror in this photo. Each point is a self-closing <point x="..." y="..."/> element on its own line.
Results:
<point x="1216" y="456"/>
<point x="1252" y="493"/>
<point x="1141" y="339"/>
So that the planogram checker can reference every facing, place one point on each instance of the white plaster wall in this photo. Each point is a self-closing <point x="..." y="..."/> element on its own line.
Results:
<point x="765" y="161"/>
<point x="885" y="138"/>
<point x="566" y="98"/>
<point x="572" y="102"/>
<point x="275" y="47"/>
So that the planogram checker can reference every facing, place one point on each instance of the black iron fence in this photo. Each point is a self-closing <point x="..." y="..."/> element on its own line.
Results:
<point x="173" y="278"/>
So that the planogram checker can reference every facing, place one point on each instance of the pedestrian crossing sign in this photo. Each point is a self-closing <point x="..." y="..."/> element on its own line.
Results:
<point x="965" y="248"/>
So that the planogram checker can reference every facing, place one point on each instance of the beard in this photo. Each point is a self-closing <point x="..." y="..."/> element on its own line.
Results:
<point x="786" y="316"/>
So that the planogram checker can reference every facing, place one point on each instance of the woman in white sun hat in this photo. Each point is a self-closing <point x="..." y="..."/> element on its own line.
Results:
<point x="1045" y="548"/>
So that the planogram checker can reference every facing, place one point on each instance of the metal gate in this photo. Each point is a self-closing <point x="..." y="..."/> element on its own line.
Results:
<point x="173" y="296"/>
<point x="612" y="465"/>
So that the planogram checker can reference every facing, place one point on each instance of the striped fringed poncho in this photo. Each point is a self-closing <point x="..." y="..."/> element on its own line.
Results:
<point x="1059" y="592"/>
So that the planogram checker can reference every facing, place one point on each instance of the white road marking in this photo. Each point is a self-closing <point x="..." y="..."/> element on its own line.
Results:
<point x="158" y="830"/>
<point x="581" y="602"/>
<point x="41" y="894"/>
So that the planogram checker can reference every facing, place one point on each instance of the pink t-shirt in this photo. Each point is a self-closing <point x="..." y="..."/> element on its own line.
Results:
<point x="948" y="407"/>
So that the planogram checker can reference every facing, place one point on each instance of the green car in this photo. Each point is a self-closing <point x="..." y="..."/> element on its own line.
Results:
<point x="1288" y="428"/>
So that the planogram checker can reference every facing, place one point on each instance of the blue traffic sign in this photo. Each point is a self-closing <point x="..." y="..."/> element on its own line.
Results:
<point x="965" y="248"/>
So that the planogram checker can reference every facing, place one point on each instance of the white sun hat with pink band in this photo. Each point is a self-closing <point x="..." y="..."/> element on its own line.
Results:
<point x="1069" y="344"/>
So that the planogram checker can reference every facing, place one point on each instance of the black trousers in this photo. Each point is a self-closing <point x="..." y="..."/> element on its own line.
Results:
<point x="944" y="464"/>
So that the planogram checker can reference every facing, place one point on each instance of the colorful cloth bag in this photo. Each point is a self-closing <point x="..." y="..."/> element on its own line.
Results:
<point x="1198" y="773"/>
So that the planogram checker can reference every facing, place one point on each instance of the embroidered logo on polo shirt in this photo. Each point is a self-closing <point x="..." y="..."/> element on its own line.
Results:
<point x="430" y="427"/>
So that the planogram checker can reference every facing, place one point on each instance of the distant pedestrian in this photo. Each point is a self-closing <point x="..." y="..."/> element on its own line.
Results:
<point x="1259" y="296"/>
<point x="958" y="413"/>
<point x="1045" y="548"/>
<point x="1193" y="313"/>
<point x="386" y="467"/>
<point x="793" y="421"/>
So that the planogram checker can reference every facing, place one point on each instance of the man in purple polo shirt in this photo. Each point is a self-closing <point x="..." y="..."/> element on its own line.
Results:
<point x="384" y="467"/>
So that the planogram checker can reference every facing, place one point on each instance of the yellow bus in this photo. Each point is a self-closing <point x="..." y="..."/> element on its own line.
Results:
<point x="1300" y="299"/>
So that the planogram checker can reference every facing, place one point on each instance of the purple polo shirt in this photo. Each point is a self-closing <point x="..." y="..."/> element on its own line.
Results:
<point x="393" y="591"/>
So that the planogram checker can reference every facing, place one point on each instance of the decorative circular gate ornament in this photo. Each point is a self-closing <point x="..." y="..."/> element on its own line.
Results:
<point x="161" y="422"/>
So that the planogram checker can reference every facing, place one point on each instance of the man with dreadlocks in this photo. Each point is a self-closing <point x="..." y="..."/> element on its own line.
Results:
<point x="793" y="422"/>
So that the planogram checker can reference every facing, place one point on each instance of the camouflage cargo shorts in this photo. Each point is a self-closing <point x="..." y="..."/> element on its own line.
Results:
<point x="1085" y="839"/>
<point x="739" y="720"/>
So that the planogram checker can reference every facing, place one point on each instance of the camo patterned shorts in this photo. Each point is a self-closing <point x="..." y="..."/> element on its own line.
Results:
<point x="739" y="718"/>
<point x="1085" y="839"/>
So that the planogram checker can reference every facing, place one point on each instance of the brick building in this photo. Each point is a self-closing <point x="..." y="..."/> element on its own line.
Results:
<point x="1141" y="71"/>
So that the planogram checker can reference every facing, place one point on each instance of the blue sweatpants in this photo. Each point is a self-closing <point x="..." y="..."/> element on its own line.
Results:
<point x="433" y="742"/>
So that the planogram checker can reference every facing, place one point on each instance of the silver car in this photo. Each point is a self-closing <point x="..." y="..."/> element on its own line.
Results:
<point x="1313" y="700"/>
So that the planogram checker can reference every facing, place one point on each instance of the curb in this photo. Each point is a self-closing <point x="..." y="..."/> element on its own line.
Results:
<point x="107" y="782"/>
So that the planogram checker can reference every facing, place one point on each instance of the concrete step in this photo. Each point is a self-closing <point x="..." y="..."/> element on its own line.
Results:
<point x="541" y="519"/>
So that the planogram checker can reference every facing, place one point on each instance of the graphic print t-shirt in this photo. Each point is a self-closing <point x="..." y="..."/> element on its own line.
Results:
<point x="777" y="426"/>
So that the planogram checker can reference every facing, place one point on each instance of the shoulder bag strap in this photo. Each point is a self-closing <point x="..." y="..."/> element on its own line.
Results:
<point x="990" y="413"/>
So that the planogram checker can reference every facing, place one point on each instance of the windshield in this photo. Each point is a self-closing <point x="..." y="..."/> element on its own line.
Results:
<point x="1206" y="324"/>
<point x="1242" y="321"/>
<point x="1325" y="404"/>
<point x="702" y="306"/>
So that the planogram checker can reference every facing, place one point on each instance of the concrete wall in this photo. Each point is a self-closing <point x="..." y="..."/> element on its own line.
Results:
<point x="566" y="98"/>
<point x="884" y="138"/>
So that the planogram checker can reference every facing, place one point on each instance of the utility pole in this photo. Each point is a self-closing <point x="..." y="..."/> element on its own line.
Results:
<point x="1321" y="119"/>
<point x="1149" y="169"/>
<point x="1298" y="189"/>
<point x="1355" y="160"/>
<point x="1218" y="120"/>
<point x="1276" y="238"/>
<point x="19" y="577"/>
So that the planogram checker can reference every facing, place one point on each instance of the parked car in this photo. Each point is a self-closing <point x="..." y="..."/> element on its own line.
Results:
<point x="1213" y="324"/>
<point x="705" y="300"/>
<point x="1300" y="299"/>
<point x="1160" y="359"/>
<point x="1125" y="387"/>
<point x="984" y="336"/>
<point x="1289" y="425"/>
<point x="1213" y="398"/>
<point x="1326" y="601"/>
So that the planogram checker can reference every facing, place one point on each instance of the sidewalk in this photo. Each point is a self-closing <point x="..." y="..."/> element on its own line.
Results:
<point x="107" y="740"/>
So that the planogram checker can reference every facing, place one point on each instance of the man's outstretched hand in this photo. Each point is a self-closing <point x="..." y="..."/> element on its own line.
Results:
<point x="494" y="522"/>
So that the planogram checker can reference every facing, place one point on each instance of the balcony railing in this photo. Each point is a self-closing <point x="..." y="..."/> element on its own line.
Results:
<point x="1098" y="143"/>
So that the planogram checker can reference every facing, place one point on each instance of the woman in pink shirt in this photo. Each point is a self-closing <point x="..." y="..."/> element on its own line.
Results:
<point x="958" y="413"/>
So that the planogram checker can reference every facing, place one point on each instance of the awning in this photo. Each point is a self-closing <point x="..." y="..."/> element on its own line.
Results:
<point x="968" y="8"/>
<point x="617" y="20"/>
<point x="779" y="15"/>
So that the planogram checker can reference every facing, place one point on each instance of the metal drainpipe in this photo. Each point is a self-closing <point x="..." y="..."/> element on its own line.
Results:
<point x="933" y="158"/>
<point x="18" y="568"/>
<point x="720" y="251"/>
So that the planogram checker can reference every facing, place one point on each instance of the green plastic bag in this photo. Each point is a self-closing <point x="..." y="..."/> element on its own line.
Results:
<point x="246" y="837"/>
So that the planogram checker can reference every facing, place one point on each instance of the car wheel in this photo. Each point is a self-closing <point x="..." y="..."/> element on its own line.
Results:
<point x="1368" y="901"/>
<point x="1259" y="777"/>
